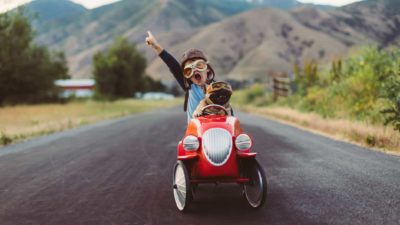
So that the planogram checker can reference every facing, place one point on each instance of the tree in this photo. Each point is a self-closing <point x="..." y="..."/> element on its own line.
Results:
<point x="27" y="71"/>
<point x="119" y="72"/>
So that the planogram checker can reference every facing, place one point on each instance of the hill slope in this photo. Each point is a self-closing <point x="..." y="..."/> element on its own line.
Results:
<point x="95" y="30"/>
<point x="241" y="41"/>
<point x="50" y="10"/>
<point x="253" y="43"/>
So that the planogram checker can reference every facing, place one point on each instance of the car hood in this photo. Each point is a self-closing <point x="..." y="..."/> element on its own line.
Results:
<point x="198" y="126"/>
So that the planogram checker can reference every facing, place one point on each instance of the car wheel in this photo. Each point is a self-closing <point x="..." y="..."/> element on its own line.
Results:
<point x="255" y="191"/>
<point x="181" y="186"/>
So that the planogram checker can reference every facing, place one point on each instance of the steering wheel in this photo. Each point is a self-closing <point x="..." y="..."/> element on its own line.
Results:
<point x="213" y="109"/>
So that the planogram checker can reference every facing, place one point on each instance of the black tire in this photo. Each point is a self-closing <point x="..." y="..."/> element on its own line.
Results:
<point x="255" y="191"/>
<point x="181" y="186"/>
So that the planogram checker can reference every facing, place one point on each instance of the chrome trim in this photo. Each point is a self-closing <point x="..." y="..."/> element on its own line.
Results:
<point x="217" y="145"/>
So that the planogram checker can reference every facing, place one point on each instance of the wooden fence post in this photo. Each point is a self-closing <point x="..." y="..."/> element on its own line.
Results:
<point x="281" y="86"/>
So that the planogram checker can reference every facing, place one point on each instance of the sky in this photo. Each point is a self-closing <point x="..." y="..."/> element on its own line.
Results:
<point x="93" y="3"/>
<point x="9" y="4"/>
<point x="329" y="2"/>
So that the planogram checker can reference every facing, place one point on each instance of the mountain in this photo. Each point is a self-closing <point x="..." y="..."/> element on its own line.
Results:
<point x="279" y="4"/>
<point x="242" y="38"/>
<point x="253" y="43"/>
<point x="50" y="10"/>
<point x="174" y="21"/>
<point x="81" y="37"/>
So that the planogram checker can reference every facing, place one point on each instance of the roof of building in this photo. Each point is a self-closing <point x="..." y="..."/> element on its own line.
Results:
<point x="75" y="83"/>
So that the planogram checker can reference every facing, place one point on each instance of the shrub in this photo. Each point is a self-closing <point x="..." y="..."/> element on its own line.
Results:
<point x="392" y="112"/>
<point x="306" y="77"/>
<point x="255" y="91"/>
<point x="358" y="87"/>
<point x="5" y="139"/>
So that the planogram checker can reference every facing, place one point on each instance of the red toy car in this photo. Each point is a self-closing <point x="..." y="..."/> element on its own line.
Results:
<point x="215" y="150"/>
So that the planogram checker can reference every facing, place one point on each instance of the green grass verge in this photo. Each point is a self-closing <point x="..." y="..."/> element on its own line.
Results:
<point x="23" y="122"/>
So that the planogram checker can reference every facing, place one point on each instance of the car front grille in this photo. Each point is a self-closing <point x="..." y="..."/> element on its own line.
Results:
<point x="217" y="145"/>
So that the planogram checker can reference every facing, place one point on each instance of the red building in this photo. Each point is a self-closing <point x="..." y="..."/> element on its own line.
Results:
<point x="82" y="88"/>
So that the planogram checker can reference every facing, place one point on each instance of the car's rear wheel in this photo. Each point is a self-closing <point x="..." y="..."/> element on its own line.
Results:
<point x="181" y="186"/>
<point x="255" y="191"/>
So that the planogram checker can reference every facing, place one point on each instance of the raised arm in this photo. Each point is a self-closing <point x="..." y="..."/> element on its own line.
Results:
<point x="168" y="59"/>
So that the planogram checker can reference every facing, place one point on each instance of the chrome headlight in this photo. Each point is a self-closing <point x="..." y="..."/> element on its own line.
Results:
<point x="191" y="143"/>
<point x="243" y="142"/>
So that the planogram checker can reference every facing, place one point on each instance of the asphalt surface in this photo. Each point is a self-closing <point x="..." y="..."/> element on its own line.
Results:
<point x="120" y="172"/>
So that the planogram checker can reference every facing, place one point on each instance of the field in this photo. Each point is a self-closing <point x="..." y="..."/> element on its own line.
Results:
<point x="26" y="121"/>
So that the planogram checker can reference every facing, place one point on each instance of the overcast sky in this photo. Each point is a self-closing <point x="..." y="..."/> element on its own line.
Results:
<point x="9" y="4"/>
<point x="94" y="3"/>
<point x="329" y="2"/>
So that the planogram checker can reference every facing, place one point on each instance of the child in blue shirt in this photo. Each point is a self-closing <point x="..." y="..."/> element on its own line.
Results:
<point x="193" y="73"/>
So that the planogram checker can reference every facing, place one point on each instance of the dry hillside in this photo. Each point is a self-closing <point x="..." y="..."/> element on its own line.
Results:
<point x="251" y="44"/>
<point x="242" y="46"/>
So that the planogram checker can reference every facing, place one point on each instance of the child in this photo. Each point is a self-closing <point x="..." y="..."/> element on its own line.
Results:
<point x="193" y="73"/>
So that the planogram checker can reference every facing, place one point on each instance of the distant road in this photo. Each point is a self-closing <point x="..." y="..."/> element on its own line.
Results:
<point x="120" y="172"/>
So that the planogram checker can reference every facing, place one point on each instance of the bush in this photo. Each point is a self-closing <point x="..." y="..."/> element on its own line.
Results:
<point x="392" y="93"/>
<point x="255" y="91"/>
<point x="4" y="139"/>
<point x="254" y="95"/>
<point x="358" y="87"/>
<point x="318" y="100"/>
<point x="306" y="77"/>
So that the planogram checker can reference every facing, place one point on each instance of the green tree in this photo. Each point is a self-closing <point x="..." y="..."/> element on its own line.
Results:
<point x="27" y="71"/>
<point x="119" y="72"/>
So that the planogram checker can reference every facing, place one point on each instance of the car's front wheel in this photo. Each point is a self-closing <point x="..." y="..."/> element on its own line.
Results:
<point x="255" y="191"/>
<point x="181" y="186"/>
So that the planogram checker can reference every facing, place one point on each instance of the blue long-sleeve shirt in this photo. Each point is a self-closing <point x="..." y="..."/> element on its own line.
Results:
<point x="196" y="92"/>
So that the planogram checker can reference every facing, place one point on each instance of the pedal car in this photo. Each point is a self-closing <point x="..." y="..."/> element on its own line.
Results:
<point x="215" y="150"/>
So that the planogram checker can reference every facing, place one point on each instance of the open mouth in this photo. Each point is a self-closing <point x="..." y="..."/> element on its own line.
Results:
<point x="197" y="77"/>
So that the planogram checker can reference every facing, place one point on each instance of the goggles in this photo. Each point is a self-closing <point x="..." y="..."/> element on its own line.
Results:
<point x="199" y="65"/>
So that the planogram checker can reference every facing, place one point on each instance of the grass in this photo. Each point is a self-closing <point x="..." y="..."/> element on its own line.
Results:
<point x="380" y="138"/>
<point x="26" y="121"/>
<point x="369" y="135"/>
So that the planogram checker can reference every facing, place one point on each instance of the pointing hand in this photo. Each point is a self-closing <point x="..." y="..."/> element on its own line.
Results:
<point x="152" y="42"/>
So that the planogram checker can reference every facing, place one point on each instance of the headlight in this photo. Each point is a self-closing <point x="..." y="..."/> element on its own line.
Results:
<point x="191" y="143"/>
<point x="243" y="142"/>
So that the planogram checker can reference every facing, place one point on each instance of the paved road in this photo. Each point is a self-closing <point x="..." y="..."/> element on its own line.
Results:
<point x="119" y="172"/>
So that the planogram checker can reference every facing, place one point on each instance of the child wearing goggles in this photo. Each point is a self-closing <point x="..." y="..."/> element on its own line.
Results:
<point x="193" y="73"/>
<point x="190" y="68"/>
